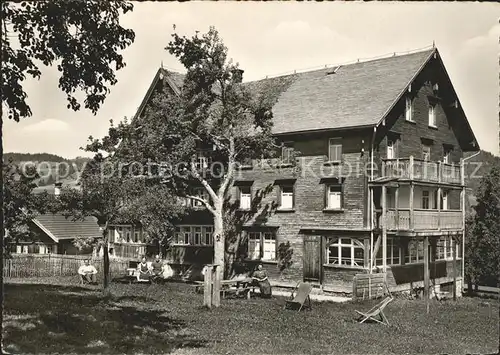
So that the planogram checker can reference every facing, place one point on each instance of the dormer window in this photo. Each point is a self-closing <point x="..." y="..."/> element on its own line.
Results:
<point x="409" y="109"/>
<point x="432" y="115"/>
<point x="335" y="150"/>
<point x="287" y="153"/>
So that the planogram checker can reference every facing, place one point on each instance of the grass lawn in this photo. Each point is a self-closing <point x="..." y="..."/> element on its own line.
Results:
<point x="57" y="318"/>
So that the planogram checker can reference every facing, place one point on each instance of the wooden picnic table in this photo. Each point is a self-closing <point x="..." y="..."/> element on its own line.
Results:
<point x="234" y="286"/>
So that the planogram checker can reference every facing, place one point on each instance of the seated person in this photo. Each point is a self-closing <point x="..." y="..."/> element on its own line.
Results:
<point x="260" y="278"/>
<point x="157" y="267"/>
<point x="144" y="271"/>
<point x="87" y="273"/>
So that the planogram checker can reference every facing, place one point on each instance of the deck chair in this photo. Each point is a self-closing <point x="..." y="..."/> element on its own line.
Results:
<point x="299" y="296"/>
<point x="377" y="311"/>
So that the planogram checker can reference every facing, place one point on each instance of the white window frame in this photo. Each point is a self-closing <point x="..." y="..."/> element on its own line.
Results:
<point x="287" y="195"/>
<point x="196" y="235"/>
<point x="245" y="197"/>
<point x="426" y="197"/>
<point x="391" y="149"/>
<point x="409" y="109"/>
<point x="426" y="152"/>
<point x="415" y="258"/>
<point x="444" y="200"/>
<point x="432" y="116"/>
<point x="447" y="156"/>
<point x="202" y="193"/>
<point x="287" y="153"/>
<point x="330" y="194"/>
<point x="394" y="252"/>
<point x="335" y="143"/>
<point x="19" y="249"/>
<point x="336" y="244"/>
<point x="262" y="245"/>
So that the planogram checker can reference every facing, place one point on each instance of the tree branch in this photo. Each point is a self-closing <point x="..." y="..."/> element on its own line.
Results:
<point x="205" y="203"/>
<point x="204" y="183"/>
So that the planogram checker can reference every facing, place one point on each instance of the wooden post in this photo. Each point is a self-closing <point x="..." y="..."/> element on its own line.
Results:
<point x="439" y="192"/>
<point x="396" y="206"/>
<point x="207" y="286"/>
<point x="384" y="231"/>
<point x="410" y="167"/>
<point x="354" y="289"/>
<point x="412" y="187"/>
<point x="454" y="251"/>
<point x="216" y="287"/>
<point x="426" y="272"/>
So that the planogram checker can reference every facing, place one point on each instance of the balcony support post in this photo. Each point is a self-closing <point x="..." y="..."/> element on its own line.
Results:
<point x="384" y="231"/>
<point x="410" y="167"/>
<point x="426" y="272"/>
<point x="454" y="251"/>
<point x="439" y="192"/>
<point x="412" y="188"/>
<point x="396" y="206"/>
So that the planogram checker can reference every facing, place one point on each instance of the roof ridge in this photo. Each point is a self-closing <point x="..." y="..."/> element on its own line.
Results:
<point x="351" y="62"/>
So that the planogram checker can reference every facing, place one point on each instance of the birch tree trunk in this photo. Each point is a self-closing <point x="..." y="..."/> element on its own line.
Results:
<point x="219" y="242"/>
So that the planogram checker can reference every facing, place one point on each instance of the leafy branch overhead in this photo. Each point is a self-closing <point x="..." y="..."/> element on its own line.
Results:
<point x="84" y="39"/>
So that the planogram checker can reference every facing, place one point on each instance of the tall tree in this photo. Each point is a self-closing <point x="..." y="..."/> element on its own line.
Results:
<point x="84" y="38"/>
<point x="486" y="228"/>
<point x="214" y="124"/>
<point x="19" y="204"/>
<point x="114" y="190"/>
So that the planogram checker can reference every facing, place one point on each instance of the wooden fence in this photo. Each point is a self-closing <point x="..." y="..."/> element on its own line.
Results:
<point x="56" y="265"/>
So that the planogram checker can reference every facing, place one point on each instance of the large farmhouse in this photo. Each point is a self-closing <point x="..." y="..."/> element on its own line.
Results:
<point x="380" y="144"/>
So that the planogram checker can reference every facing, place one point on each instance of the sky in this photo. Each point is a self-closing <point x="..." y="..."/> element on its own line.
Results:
<point x="274" y="38"/>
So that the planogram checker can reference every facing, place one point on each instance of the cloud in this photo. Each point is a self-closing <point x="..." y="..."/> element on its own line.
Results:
<point x="48" y="125"/>
<point x="487" y="39"/>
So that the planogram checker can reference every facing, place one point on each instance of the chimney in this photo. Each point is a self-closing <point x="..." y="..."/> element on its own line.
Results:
<point x="57" y="188"/>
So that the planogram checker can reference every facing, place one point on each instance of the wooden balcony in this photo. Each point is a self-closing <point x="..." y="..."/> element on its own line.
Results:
<point x="403" y="220"/>
<point x="416" y="169"/>
<point x="135" y="250"/>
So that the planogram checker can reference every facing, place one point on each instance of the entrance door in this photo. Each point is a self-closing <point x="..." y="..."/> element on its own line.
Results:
<point x="312" y="258"/>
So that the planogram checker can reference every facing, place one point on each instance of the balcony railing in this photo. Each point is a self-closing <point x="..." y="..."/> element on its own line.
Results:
<point x="416" y="169"/>
<point x="402" y="219"/>
<point x="128" y="250"/>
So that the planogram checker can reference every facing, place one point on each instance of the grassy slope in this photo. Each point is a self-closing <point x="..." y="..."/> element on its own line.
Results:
<point x="162" y="318"/>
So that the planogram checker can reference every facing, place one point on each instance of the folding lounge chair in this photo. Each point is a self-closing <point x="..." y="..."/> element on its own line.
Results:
<point x="377" y="311"/>
<point x="303" y="290"/>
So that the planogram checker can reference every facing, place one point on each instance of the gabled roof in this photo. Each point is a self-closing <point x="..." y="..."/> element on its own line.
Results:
<point x="349" y="96"/>
<point x="58" y="227"/>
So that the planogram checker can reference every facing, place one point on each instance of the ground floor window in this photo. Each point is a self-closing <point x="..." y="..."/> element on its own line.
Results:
<point x="262" y="245"/>
<point x="444" y="248"/>
<point x="193" y="235"/>
<point x="393" y="256"/>
<point x="414" y="252"/>
<point x="345" y="251"/>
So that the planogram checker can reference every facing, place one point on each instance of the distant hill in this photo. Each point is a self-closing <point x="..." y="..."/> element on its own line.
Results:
<point x="478" y="167"/>
<point x="51" y="168"/>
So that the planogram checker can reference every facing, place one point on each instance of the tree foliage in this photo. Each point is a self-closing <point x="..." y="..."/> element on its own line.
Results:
<point x="203" y="133"/>
<point x="84" y="38"/>
<point x="484" y="244"/>
<point x="20" y="205"/>
<point x="115" y="190"/>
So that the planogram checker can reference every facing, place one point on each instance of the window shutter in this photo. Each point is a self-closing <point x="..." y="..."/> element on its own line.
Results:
<point x="342" y="195"/>
<point x="326" y="189"/>
<point x="293" y="196"/>
<point x="278" y="191"/>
